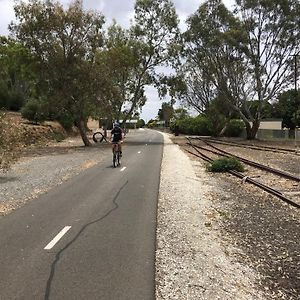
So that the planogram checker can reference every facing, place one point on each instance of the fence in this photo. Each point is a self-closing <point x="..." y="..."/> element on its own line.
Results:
<point x="277" y="135"/>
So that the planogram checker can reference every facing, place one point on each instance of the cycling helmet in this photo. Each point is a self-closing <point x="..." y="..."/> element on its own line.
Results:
<point x="116" y="124"/>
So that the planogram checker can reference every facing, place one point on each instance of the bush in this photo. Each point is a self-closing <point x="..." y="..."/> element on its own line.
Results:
<point x="141" y="123"/>
<point x="234" y="128"/>
<point x="226" y="164"/>
<point x="34" y="111"/>
<point x="197" y="126"/>
<point x="152" y="124"/>
<point x="10" y="100"/>
<point x="66" y="120"/>
<point x="4" y="98"/>
<point x="15" y="101"/>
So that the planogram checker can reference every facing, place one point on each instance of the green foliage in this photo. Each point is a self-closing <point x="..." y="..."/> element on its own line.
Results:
<point x="266" y="110"/>
<point x="180" y="113"/>
<point x="152" y="124"/>
<point x="197" y="126"/>
<point x="217" y="112"/>
<point x="4" y="96"/>
<point x="241" y="55"/>
<point x="131" y="57"/>
<point x="225" y="164"/>
<point x="141" y="123"/>
<point x="16" y="74"/>
<point x="66" y="120"/>
<point x="166" y="112"/>
<point x="286" y="107"/>
<point x="234" y="128"/>
<point x="64" y="42"/>
<point x="34" y="110"/>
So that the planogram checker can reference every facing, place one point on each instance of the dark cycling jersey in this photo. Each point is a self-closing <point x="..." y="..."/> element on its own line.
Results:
<point x="117" y="134"/>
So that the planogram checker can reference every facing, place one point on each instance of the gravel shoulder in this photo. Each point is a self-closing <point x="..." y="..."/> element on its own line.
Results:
<point x="42" y="168"/>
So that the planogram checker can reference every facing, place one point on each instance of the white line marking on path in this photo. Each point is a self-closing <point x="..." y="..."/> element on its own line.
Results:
<point x="57" y="238"/>
<point x="139" y="152"/>
<point x="122" y="169"/>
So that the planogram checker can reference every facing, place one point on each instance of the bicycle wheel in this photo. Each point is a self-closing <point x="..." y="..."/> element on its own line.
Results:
<point x="118" y="158"/>
<point x="98" y="137"/>
<point x="114" y="159"/>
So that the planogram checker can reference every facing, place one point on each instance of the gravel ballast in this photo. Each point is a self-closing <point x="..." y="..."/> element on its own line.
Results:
<point x="191" y="262"/>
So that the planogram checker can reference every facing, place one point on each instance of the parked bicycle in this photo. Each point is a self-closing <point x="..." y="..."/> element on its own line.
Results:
<point x="98" y="137"/>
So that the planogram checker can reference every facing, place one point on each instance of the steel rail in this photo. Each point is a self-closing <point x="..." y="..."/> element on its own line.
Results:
<point x="249" y="162"/>
<point x="243" y="145"/>
<point x="248" y="179"/>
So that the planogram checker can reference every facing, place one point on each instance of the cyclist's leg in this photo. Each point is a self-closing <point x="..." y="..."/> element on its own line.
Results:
<point x="114" y="154"/>
<point x="120" y="148"/>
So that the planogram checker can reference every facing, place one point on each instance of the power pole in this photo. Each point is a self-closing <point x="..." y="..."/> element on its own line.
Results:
<point x="295" y="69"/>
<point x="296" y="55"/>
<point x="296" y="94"/>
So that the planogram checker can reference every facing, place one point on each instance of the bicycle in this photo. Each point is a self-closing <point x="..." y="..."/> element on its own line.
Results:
<point x="98" y="137"/>
<point x="116" y="154"/>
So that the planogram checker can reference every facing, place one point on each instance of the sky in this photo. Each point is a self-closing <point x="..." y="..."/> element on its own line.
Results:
<point x="122" y="11"/>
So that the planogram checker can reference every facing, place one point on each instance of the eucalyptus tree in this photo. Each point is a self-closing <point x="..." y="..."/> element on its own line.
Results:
<point x="272" y="31"/>
<point x="130" y="57"/>
<point x="155" y="37"/>
<point x="64" y="42"/>
<point x="216" y="61"/>
<point x="119" y="62"/>
<point x="16" y="76"/>
<point x="286" y="107"/>
<point x="200" y="90"/>
<point x="245" y="54"/>
<point x="166" y="112"/>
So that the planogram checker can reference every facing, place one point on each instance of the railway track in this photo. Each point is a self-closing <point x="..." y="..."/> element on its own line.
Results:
<point x="219" y="152"/>
<point x="251" y="146"/>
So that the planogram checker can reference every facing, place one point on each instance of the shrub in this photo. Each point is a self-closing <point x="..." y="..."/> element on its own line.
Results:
<point x="140" y="123"/>
<point x="4" y="98"/>
<point x="66" y="120"/>
<point x="34" y="111"/>
<point x="197" y="126"/>
<point x="15" y="101"/>
<point x="226" y="164"/>
<point x="234" y="128"/>
<point x="152" y="124"/>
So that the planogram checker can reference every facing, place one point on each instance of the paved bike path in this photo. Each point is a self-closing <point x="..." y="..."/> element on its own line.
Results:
<point x="108" y="253"/>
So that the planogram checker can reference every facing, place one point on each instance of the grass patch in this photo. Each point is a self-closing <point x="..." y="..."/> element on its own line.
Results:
<point x="225" y="164"/>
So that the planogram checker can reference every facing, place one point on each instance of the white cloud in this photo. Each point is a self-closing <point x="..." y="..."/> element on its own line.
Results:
<point x="6" y="15"/>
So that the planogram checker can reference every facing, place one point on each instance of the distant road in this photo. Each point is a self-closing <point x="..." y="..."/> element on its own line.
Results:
<point x="93" y="237"/>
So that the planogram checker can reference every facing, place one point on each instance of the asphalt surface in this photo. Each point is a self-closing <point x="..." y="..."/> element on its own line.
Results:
<point x="107" y="248"/>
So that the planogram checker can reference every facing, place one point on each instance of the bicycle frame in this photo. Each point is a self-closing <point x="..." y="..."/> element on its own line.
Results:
<point x="116" y="154"/>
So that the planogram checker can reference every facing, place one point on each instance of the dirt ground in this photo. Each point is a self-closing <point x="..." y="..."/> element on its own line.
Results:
<point x="265" y="228"/>
<point x="17" y="135"/>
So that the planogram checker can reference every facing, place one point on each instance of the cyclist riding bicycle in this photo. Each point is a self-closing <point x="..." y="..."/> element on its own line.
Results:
<point x="116" y="137"/>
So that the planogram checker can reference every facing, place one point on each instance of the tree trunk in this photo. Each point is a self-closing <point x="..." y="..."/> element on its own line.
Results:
<point x="252" y="130"/>
<point x="81" y="127"/>
<point x="227" y="121"/>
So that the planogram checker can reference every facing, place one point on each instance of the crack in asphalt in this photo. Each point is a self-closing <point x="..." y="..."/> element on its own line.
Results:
<point x="57" y="257"/>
